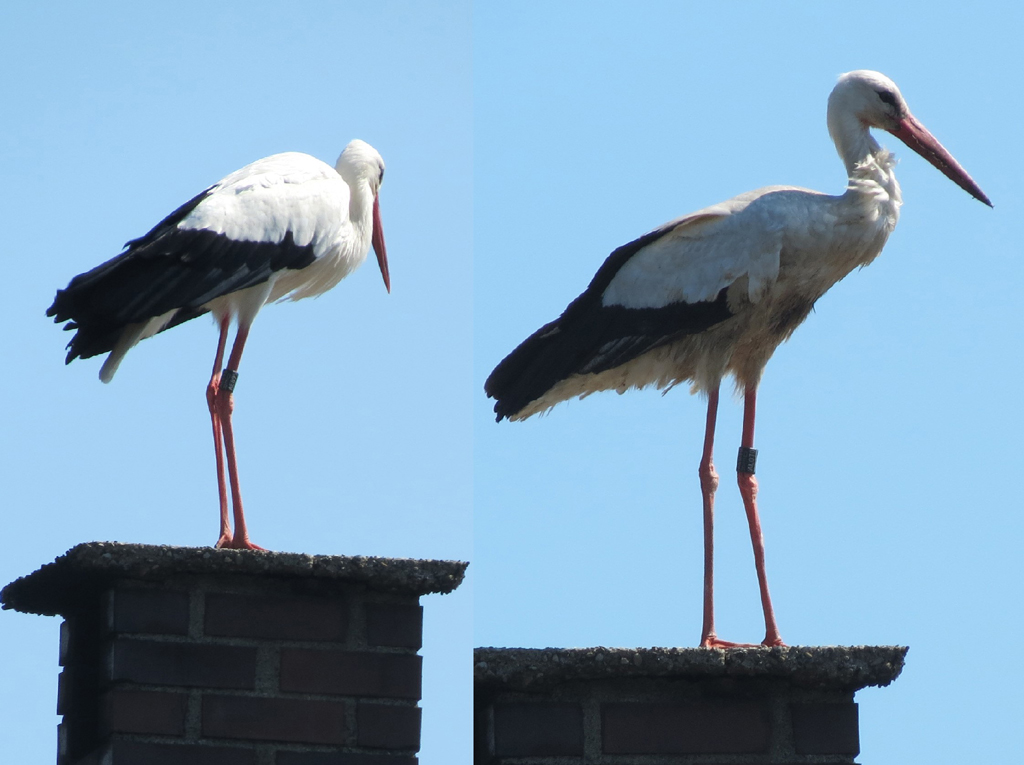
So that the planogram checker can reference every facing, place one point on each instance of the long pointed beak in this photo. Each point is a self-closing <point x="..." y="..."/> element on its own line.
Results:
<point x="377" y="239"/>
<point x="916" y="136"/>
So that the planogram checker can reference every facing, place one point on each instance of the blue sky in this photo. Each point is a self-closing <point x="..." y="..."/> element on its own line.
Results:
<point x="524" y="142"/>
<point x="352" y="411"/>
<point x="888" y="424"/>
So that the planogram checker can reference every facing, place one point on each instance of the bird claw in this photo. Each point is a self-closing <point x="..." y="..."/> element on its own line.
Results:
<point x="227" y="542"/>
<point x="714" y="642"/>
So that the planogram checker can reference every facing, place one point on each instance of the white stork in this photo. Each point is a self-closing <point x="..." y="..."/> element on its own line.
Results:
<point x="285" y="227"/>
<point x="717" y="291"/>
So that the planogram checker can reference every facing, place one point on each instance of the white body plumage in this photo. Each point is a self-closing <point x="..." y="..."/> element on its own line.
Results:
<point x="715" y="292"/>
<point x="288" y="226"/>
<point x="282" y="228"/>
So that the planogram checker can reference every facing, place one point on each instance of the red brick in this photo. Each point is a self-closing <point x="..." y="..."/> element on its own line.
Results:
<point x="274" y="719"/>
<point x="76" y="685"/>
<point x="386" y="726"/>
<point x="78" y="732"/>
<point x="200" y="666"/>
<point x="81" y="638"/>
<point x="156" y="712"/>
<point x="333" y="758"/>
<point x="119" y="752"/>
<point x="65" y="644"/>
<point x="538" y="729"/>
<point x="661" y="728"/>
<point x="62" y="743"/>
<point x="64" y="682"/>
<point x="825" y="728"/>
<point x="149" y="611"/>
<point x="395" y="625"/>
<point x="349" y="673"/>
<point x="276" y="617"/>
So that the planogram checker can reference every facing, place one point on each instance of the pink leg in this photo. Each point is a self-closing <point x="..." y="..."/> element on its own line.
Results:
<point x="218" y="442"/>
<point x="708" y="486"/>
<point x="748" y="490"/>
<point x="225" y="403"/>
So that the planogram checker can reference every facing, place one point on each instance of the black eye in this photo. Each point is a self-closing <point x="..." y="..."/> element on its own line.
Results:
<point x="887" y="97"/>
<point x="381" y="179"/>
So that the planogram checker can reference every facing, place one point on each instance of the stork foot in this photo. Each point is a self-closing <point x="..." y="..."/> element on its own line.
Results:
<point x="243" y="543"/>
<point x="713" y="642"/>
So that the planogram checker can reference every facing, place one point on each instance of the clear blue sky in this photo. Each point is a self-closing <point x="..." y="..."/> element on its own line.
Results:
<point x="523" y="144"/>
<point x="353" y="410"/>
<point x="889" y="424"/>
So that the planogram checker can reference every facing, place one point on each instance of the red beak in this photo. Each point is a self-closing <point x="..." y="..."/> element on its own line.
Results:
<point x="377" y="238"/>
<point x="916" y="136"/>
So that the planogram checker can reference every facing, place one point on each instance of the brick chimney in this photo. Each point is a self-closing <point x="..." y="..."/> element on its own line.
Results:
<point x="674" y="706"/>
<point x="194" y="655"/>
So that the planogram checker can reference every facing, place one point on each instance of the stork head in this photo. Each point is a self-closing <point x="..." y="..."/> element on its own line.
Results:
<point x="361" y="164"/>
<point x="871" y="97"/>
<point x="864" y="99"/>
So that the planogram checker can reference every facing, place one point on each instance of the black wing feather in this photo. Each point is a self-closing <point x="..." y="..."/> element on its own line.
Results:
<point x="589" y="337"/>
<point x="168" y="269"/>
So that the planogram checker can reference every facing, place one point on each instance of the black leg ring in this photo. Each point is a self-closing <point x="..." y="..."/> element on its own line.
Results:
<point x="747" y="460"/>
<point x="228" y="378"/>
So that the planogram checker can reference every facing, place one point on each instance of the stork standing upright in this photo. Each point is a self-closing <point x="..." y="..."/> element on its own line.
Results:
<point x="717" y="291"/>
<point x="285" y="227"/>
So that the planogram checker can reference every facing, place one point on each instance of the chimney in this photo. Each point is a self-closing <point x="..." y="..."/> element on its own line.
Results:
<point x="674" y="706"/>
<point x="196" y="655"/>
